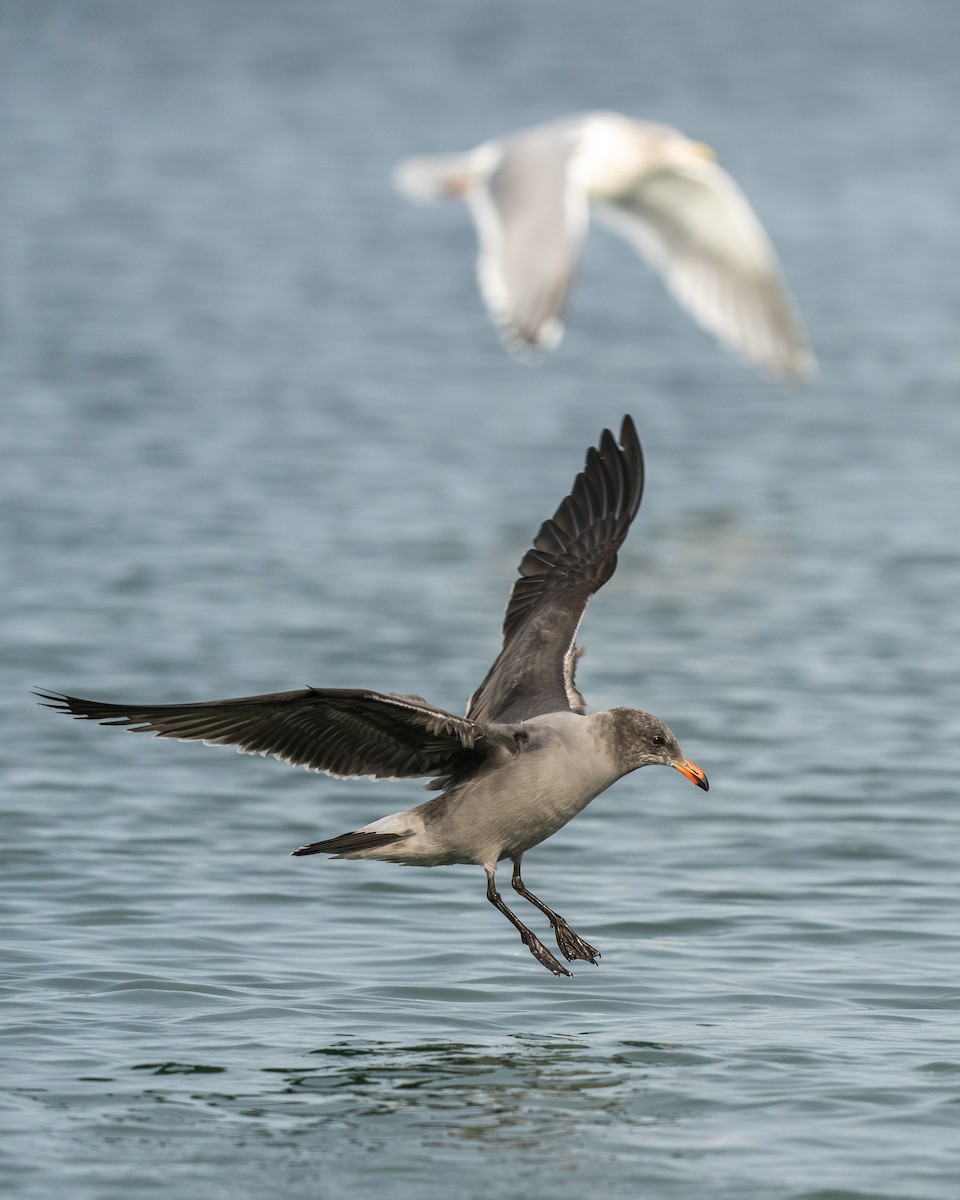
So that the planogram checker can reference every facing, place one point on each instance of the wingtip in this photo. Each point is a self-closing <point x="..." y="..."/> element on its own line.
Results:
<point x="802" y="370"/>
<point x="529" y="346"/>
<point x="631" y="451"/>
<point x="628" y="433"/>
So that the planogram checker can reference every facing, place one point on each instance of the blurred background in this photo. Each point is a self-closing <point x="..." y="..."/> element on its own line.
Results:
<point x="257" y="432"/>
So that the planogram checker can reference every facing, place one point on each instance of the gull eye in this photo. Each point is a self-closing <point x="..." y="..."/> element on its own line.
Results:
<point x="658" y="740"/>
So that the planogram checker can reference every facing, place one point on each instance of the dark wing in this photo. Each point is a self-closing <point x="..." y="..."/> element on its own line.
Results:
<point x="572" y="556"/>
<point x="346" y="733"/>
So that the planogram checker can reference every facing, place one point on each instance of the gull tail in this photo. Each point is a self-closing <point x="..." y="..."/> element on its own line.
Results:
<point x="433" y="177"/>
<point x="348" y="844"/>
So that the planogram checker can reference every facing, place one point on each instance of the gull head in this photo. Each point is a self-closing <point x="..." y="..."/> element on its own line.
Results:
<point x="642" y="740"/>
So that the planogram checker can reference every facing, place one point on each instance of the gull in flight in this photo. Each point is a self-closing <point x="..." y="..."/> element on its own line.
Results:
<point x="530" y="194"/>
<point x="526" y="757"/>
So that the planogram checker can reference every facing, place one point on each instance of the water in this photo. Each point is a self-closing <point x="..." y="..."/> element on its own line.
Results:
<point x="256" y="432"/>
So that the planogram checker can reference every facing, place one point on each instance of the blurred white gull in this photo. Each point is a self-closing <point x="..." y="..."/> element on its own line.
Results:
<point x="530" y="194"/>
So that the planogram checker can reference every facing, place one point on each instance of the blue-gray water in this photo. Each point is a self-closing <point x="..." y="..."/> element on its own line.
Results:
<point x="257" y="433"/>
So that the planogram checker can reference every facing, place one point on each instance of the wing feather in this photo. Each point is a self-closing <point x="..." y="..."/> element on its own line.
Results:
<point x="344" y="732"/>
<point x="573" y="555"/>
<point x="697" y="229"/>
<point x="530" y="221"/>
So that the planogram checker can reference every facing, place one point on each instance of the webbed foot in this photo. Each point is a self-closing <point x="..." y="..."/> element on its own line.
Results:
<point x="574" y="947"/>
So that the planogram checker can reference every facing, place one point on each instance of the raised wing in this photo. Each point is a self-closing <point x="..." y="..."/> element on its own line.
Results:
<point x="572" y="556"/>
<point x="695" y="226"/>
<point x="343" y="732"/>
<point x="530" y="221"/>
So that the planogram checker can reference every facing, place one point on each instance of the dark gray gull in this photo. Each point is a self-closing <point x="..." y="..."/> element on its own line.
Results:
<point x="526" y="757"/>
<point x="530" y="194"/>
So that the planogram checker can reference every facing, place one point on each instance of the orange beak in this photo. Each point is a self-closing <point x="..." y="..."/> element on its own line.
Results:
<point x="692" y="772"/>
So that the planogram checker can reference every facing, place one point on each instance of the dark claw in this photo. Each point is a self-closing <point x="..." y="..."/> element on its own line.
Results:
<point x="574" y="947"/>
<point x="543" y="955"/>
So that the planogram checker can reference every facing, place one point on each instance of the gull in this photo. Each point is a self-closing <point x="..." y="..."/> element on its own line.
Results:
<point x="524" y="759"/>
<point x="530" y="195"/>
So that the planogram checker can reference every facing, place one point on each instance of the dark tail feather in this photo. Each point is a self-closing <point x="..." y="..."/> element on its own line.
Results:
<point x="350" y="841"/>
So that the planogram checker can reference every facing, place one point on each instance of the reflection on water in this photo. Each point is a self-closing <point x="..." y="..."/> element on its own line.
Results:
<point x="523" y="1095"/>
<point x="561" y="1110"/>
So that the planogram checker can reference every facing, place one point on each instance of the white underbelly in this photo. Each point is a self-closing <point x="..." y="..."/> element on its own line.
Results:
<point x="521" y="803"/>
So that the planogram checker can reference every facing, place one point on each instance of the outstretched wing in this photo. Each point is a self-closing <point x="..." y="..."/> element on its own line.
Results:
<point x="572" y="556"/>
<point x="531" y="219"/>
<point x="347" y="733"/>
<point x="695" y="226"/>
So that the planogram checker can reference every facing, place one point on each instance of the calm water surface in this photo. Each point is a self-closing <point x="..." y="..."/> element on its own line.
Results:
<point x="256" y="433"/>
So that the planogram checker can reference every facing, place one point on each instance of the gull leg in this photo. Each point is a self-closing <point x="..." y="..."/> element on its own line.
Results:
<point x="571" y="946"/>
<point x="530" y="939"/>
